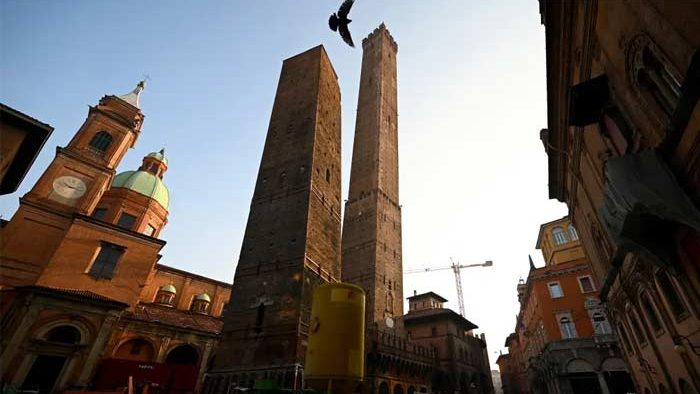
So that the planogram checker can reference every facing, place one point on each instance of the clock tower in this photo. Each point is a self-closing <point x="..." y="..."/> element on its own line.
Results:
<point x="83" y="170"/>
<point x="72" y="184"/>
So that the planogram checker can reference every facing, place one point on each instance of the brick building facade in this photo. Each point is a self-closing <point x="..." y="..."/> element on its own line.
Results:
<point x="623" y="82"/>
<point x="21" y="139"/>
<point x="563" y="340"/>
<point x="85" y="303"/>
<point x="292" y="239"/>
<point x="372" y="254"/>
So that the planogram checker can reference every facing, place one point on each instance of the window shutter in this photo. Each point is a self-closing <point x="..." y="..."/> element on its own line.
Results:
<point x="106" y="261"/>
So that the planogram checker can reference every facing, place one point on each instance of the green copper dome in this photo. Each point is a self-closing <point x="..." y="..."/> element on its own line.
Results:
<point x="144" y="183"/>
<point x="169" y="288"/>
<point x="159" y="156"/>
<point x="203" y="297"/>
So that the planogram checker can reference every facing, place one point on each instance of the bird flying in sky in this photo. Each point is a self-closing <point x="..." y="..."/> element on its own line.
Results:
<point x="339" y="22"/>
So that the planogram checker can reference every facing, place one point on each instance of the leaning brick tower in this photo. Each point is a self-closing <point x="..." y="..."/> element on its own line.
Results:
<point x="292" y="238"/>
<point x="371" y="241"/>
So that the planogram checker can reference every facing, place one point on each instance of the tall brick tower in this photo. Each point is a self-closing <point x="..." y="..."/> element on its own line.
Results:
<point x="292" y="239"/>
<point x="371" y="246"/>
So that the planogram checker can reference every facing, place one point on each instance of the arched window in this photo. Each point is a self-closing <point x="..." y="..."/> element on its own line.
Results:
<point x="101" y="141"/>
<point x="200" y="303"/>
<point x="600" y="324"/>
<point x="568" y="330"/>
<point x="64" y="334"/>
<point x="166" y="295"/>
<point x="655" y="79"/>
<point x="559" y="236"/>
<point x="573" y="233"/>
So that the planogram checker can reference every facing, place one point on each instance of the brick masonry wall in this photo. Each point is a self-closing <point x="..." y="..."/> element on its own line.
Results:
<point x="292" y="239"/>
<point x="372" y="225"/>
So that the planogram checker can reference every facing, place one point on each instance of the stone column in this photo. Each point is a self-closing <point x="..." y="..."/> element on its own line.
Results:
<point x="603" y="383"/>
<point x="160" y="357"/>
<point x="96" y="351"/>
<point x="29" y="314"/>
<point x="203" y="367"/>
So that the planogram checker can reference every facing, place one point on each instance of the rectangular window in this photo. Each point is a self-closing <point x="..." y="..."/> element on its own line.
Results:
<point x="641" y="338"/>
<point x="433" y="332"/>
<point x="625" y="339"/>
<point x="126" y="221"/>
<point x="149" y="230"/>
<point x="586" y="283"/>
<point x="100" y="213"/>
<point x="555" y="290"/>
<point x="651" y="314"/>
<point x="673" y="298"/>
<point x="106" y="260"/>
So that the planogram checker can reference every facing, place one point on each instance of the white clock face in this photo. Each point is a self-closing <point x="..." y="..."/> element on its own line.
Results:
<point x="69" y="187"/>
<point x="389" y="322"/>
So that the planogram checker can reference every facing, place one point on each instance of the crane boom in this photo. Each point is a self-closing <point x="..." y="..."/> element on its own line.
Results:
<point x="458" y="278"/>
<point x="456" y="268"/>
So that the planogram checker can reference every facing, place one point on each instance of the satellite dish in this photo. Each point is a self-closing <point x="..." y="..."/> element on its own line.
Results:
<point x="389" y="322"/>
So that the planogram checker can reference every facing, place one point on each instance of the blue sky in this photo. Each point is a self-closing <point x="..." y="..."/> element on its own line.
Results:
<point x="472" y="100"/>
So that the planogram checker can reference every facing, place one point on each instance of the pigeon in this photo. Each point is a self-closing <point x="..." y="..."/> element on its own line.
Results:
<point x="339" y="22"/>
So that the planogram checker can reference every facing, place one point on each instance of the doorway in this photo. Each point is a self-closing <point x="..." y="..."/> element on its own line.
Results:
<point x="44" y="373"/>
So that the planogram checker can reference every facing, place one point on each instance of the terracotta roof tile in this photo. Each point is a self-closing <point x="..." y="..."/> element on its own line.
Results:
<point x="77" y="292"/>
<point x="175" y="317"/>
<point x="427" y="314"/>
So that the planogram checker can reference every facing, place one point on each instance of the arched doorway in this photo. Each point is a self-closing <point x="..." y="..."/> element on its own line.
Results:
<point x="137" y="349"/>
<point x="582" y="377"/>
<point x="398" y="389"/>
<point x="46" y="370"/>
<point x="383" y="388"/>
<point x="411" y="390"/>
<point x="183" y="355"/>
<point x="616" y="376"/>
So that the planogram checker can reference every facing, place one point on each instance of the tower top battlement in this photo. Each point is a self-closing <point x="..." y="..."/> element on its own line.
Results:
<point x="381" y="30"/>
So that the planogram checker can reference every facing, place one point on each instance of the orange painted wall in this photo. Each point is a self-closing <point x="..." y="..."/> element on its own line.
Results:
<point x="573" y="300"/>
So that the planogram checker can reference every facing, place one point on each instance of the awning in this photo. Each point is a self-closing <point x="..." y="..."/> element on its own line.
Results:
<point x="642" y="206"/>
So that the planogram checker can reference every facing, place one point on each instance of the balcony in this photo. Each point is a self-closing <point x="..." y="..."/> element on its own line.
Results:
<point x="605" y="339"/>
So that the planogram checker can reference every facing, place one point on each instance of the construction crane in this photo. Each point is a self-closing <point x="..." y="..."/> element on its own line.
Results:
<point x="456" y="267"/>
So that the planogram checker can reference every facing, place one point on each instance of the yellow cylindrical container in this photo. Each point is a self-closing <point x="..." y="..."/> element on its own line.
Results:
<point x="335" y="358"/>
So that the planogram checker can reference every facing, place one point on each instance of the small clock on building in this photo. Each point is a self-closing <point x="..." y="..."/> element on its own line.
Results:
<point x="69" y="187"/>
